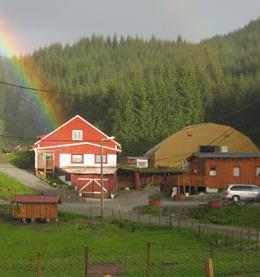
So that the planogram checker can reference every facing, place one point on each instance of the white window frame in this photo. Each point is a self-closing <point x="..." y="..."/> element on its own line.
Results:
<point x="98" y="159"/>
<point x="77" y="135"/>
<point x="257" y="171"/>
<point x="77" y="162"/>
<point x="213" y="171"/>
<point x="236" y="171"/>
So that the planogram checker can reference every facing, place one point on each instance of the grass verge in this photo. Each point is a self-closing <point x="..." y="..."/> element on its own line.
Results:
<point x="242" y="215"/>
<point x="10" y="186"/>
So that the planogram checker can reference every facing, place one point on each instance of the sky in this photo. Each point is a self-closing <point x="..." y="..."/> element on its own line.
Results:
<point x="26" y="25"/>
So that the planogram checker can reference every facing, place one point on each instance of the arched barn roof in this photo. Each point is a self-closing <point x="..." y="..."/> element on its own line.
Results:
<point x="174" y="150"/>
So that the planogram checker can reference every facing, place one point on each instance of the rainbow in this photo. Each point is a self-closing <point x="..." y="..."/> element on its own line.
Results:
<point x="29" y="75"/>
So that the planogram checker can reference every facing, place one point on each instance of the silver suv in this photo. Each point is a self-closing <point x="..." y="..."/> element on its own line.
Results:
<point x="238" y="192"/>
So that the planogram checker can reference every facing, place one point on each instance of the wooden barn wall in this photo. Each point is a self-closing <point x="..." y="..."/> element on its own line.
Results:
<point x="199" y="176"/>
<point x="225" y="172"/>
<point x="36" y="210"/>
<point x="109" y="182"/>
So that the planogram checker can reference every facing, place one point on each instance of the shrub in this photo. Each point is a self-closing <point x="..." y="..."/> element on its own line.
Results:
<point x="24" y="159"/>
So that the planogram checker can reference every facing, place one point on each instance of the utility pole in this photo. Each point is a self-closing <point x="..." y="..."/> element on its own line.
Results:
<point x="101" y="178"/>
<point x="102" y="173"/>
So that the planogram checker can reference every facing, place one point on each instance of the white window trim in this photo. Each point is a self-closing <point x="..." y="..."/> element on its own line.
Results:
<point x="212" y="172"/>
<point x="236" y="171"/>
<point x="257" y="171"/>
<point x="80" y="162"/>
<point x="75" y="135"/>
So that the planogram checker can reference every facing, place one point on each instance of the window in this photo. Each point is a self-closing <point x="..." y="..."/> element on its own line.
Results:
<point x="208" y="149"/>
<point x="212" y="171"/>
<point x="77" y="158"/>
<point x="48" y="156"/>
<point x="258" y="171"/>
<point x="77" y="134"/>
<point x="236" y="171"/>
<point x="241" y="188"/>
<point x="98" y="159"/>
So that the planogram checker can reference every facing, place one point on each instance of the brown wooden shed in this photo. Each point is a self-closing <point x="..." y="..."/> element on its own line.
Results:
<point x="36" y="207"/>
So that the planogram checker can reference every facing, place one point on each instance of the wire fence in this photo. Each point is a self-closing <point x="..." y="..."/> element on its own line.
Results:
<point x="151" y="263"/>
<point x="227" y="233"/>
<point x="227" y="252"/>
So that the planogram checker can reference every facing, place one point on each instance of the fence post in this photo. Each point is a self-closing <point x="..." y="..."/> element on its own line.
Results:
<point x="257" y="240"/>
<point x="179" y="223"/>
<point x="126" y="260"/>
<point x="199" y="229"/>
<point x="86" y="262"/>
<point x="209" y="272"/>
<point x="39" y="264"/>
<point x="148" y="269"/>
<point x="212" y="249"/>
<point x="163" y="257"/>
<point x="170" y="221"/>
<point x="248" y="238"/>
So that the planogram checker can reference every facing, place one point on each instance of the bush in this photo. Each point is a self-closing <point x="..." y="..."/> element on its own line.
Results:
<point x="24" y="159"/>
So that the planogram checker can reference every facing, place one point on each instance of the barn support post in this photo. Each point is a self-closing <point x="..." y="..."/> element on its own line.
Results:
<point x="39" y="264"/>
<point x="137" y="180"/>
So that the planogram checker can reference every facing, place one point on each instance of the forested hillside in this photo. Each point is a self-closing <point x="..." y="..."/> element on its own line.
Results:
<point x="142" y="91"/>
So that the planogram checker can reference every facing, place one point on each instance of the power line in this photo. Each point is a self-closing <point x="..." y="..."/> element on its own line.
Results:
<point x="148" y="98"/>
<point x="30" y="88"/>
<point x="45" y="140"/>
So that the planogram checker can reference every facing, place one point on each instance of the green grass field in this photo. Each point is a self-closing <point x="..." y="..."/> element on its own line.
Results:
<point x="62" y="247"/>
<point x="243" y="215"/>
<point x="10" y="186"/>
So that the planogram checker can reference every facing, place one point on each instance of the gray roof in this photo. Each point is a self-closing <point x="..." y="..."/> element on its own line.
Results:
<point x="227" y="155"/>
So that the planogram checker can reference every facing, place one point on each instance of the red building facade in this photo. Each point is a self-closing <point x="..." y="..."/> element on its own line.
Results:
<point x="73" y="151"/>
<point x="217" y="170"/>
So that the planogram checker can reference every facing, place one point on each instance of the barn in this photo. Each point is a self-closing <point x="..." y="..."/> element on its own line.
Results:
<point x="77" y="151"/>
<point x="207" y="137"/>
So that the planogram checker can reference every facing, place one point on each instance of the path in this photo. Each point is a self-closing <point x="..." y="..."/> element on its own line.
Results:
<point x="25" y="177"/>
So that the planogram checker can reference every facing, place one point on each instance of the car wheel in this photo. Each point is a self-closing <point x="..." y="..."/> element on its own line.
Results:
<point x="235" y="198"/>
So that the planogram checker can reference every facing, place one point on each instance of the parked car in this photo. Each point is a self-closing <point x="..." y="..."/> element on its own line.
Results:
<point x="238" y="192"/>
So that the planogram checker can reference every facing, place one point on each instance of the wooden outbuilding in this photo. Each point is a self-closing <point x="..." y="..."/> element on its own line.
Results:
<point x="211" y="171"/>
<point x="36" y="207"/>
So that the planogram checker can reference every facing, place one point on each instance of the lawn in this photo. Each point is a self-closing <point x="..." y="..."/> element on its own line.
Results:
<point x="10" y="186"/>
<point x="243" y="215"/>
<point x="62" y="247"/>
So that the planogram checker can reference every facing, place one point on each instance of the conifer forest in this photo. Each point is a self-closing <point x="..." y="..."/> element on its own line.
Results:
<point x="141" y="91"/>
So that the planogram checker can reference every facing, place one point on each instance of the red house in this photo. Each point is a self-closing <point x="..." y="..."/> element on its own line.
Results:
<point x="73" y="151"/>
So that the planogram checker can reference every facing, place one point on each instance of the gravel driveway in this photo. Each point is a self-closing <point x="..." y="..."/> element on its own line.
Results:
<point x="25" y="177"/>
<point x="125" y="202"/>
